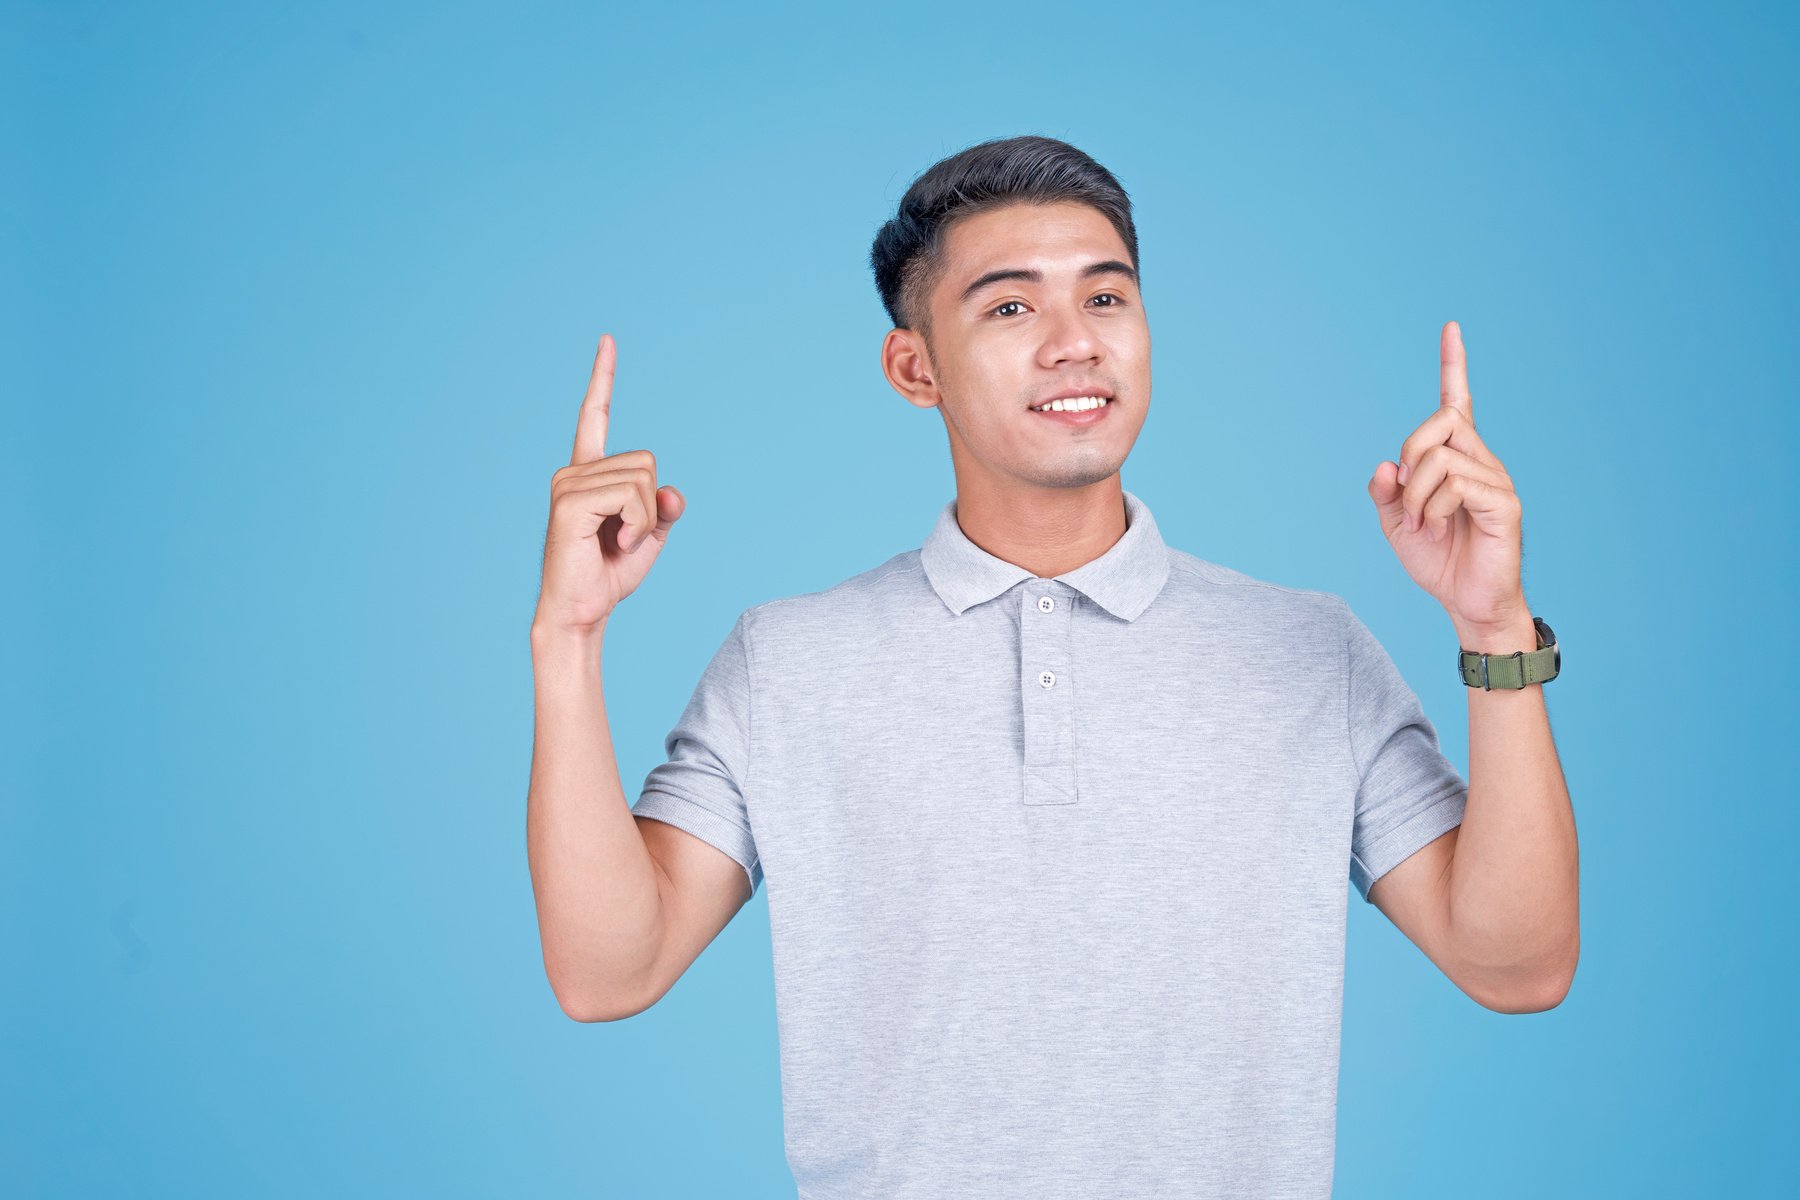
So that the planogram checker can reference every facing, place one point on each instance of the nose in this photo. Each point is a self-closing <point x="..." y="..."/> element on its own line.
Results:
<point x="1068" y="338"/>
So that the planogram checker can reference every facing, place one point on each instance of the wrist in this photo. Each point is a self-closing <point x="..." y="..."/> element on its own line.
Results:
<point x="1515" y="632"/>
<point x="560" y="638"/>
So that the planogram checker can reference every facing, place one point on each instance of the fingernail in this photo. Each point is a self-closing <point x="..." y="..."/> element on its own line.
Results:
<point x="1404" y="472"/>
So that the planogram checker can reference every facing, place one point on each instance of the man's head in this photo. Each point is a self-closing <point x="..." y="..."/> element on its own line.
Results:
<point x="1010" y="274"/>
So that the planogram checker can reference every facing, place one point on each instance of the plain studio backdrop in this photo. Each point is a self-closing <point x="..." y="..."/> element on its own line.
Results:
<point x="298" y="306"/>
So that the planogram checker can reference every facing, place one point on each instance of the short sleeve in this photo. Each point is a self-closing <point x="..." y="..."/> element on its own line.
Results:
<point x="700" y="786"/>
<point x="1407" y="792"/>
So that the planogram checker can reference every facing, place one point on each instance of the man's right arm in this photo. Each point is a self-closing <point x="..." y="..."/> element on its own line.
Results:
<point x="622" y="911"/>
<point x="625" y="904"/>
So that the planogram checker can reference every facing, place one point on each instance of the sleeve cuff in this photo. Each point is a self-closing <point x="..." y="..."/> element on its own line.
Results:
<point x="1429" y="823"/>
<point x="721" y="833"/>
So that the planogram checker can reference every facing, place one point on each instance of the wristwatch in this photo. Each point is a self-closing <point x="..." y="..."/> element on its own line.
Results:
<point x="1521" y="668"/>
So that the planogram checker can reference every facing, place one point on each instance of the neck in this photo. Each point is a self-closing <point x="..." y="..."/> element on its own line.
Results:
<point x="1048" y="531"/>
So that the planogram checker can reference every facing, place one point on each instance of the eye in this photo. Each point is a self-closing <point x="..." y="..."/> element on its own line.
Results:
<point x="1118" y="300"/>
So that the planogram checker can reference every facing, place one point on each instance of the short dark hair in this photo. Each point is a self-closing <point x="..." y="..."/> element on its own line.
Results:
<point x="908" y="255"/>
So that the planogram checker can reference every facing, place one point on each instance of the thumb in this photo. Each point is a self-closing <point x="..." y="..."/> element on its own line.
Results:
<point x="1385" y="491"/>
<point x="670" y="504"/>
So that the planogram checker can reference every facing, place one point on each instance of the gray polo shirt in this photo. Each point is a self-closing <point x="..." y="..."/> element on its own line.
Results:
<point x="1057" y="867"/>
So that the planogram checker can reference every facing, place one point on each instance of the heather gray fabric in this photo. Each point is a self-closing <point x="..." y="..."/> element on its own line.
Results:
<point x="1057" y="867"/>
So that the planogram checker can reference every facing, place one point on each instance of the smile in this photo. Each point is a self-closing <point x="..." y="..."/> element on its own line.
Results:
<point x="1088" y="410"/>
<point x="1073" y="404"/>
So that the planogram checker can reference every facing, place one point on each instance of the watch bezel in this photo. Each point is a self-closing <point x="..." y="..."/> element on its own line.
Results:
<point x="1547" y="637"/>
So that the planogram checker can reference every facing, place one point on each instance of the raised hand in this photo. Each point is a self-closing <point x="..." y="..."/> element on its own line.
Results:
<point x="608" y="519"/>
<point x="1449" y="510"/>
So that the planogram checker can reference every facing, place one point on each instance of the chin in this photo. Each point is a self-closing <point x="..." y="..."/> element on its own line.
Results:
<point x="1073" y="474"/>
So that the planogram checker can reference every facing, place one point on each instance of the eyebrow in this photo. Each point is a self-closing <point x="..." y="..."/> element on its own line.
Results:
<point x="1111" y="266"/>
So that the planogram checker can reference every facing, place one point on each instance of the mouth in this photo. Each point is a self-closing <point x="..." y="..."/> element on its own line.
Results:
<point x="1076" y="411"/>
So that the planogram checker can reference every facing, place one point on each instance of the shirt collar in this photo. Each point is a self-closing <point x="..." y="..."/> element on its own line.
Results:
<point x="1123" y="581"/>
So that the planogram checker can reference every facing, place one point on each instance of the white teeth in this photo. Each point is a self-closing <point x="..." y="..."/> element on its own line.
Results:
<point x="1076" y="404"/>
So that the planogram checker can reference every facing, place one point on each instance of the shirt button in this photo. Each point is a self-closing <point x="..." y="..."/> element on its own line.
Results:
<point x="1045" y="604"/>
<point x="1047" y="678"/>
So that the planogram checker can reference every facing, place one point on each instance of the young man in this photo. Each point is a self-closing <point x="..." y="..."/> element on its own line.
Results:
<point x="1056" y="819"/>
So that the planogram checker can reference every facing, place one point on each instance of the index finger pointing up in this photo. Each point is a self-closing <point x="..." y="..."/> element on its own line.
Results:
<point x="1453" y="377"/>
<point x="596" y="406"/>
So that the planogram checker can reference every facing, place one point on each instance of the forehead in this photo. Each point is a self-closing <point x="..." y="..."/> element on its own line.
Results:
<point x="1059" y="238"/>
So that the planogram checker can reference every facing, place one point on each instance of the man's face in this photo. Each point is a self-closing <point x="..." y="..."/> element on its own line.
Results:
<point x="1000" y="345"/>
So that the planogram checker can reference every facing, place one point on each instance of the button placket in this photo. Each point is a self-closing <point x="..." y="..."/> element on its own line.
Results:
<point x="1046" y="614"/>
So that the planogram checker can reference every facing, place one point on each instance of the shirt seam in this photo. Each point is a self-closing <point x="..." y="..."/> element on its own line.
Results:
<point x="1200" y="572"/>
<point x="748" y="620"/>
<point x="1356" y="860"/>
<point x="895" y="569"/>
<point x="1349" y="726"/>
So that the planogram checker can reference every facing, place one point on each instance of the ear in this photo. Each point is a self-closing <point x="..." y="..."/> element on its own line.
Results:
<point x="907" y="364"/>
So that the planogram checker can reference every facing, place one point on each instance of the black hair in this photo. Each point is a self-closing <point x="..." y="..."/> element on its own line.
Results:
<point x="908" y="255"/>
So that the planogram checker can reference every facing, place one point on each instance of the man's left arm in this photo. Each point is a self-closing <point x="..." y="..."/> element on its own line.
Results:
<point x="1494" y="902"/>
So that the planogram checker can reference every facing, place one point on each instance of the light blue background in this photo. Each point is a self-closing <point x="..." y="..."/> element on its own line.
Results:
<point x="299" y="305"/>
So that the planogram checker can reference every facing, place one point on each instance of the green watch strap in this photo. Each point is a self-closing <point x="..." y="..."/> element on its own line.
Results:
<point x="1519" y="669"/>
